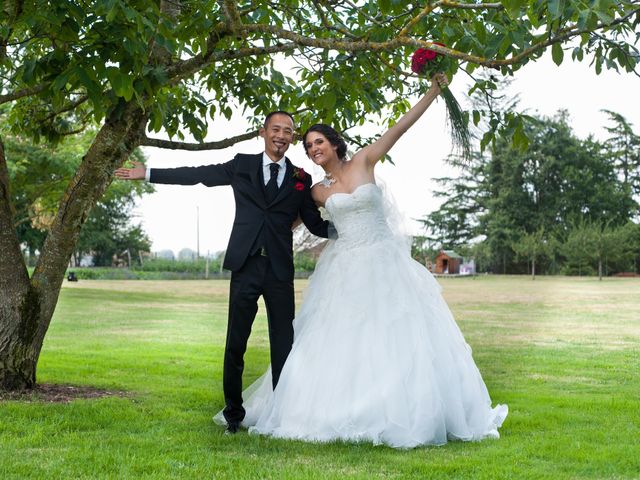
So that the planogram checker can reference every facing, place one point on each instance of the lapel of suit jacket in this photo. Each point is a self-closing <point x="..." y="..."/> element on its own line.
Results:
<point x="255" y="172"/>
<point x="285" y="187"/>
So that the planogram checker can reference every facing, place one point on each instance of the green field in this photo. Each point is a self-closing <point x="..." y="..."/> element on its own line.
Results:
<point x="563" y="353"/>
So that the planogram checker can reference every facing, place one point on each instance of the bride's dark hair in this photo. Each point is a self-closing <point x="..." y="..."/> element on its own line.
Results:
<point x="331" y="134"/>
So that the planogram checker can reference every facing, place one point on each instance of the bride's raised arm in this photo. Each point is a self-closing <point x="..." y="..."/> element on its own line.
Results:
<point x="371" y="154"/>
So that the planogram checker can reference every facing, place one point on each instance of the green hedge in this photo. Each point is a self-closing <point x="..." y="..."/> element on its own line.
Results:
<point x="162" y="265"/>
<point x="106" y="273"/>
<point x="160" y="269"/>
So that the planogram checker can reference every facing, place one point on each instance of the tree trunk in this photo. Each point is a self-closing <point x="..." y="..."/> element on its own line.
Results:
<point x="17" y="364"/>
<point x="26" y="306"/>
<point x="18" y="353"/>
<point x="600" y="269"/>
<point x="533" y="269"/>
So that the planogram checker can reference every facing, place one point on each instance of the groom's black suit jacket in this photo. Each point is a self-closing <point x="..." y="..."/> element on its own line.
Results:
<point x="255" y="217"/>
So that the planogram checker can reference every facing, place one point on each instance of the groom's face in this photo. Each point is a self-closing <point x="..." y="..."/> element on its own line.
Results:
<point x="278" y="135"/>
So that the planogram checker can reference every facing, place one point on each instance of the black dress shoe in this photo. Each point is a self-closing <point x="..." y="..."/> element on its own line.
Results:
<point x="232" y="428"/>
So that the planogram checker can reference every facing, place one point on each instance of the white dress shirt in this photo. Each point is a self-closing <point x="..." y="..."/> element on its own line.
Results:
<point x="266" y="170"/>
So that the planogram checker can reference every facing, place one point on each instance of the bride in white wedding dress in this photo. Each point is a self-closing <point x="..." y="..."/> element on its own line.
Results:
<point x="377" y="355"/>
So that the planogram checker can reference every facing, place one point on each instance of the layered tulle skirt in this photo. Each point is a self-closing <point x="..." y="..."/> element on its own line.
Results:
<point x="377" y="357"/>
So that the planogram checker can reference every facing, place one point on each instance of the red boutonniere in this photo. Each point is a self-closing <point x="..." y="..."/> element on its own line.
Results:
<point x="299" y="186"/>
<point x="427" y="63"/>
<point x="299" y="173"/>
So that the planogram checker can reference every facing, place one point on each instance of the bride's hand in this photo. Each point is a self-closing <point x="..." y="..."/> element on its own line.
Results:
<point x="439" y="81"/>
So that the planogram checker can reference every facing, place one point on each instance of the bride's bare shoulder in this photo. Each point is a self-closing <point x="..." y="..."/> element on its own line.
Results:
<point x="360" y="162"/>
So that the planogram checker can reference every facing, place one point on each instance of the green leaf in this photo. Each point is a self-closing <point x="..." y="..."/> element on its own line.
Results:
<point x="534" y="15"/>
<point x="329" y="100"/>
<point x="84" y="77"/>
<point x="113" y="13"/>
<point x="577" y="54"/>
<point x="557" y="54"/>
<point x="155" y="120"/>
<point x="121" y="83"/>
<point x="476" y="117"/>
<point x="556" y="8"/>
<point x="487" y="138"/>
<point x="513" y="7"/>
<point x="520" y="139"/>
<point x="61" y="80"/>
<point x="604" y="17"/>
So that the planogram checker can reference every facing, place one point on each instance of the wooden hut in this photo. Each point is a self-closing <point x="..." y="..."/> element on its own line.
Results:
<point x="447" y="261"/>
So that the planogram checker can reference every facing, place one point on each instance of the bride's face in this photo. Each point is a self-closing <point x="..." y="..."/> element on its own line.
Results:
<point x="319" y="149"/>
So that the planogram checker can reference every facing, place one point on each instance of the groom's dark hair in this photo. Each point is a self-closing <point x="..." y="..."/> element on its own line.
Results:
<point x="331" y="134"/>
<point x="277" y="112"/>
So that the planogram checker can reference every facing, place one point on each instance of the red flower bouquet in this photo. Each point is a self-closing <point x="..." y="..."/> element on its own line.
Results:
<point x="427" y="62"/>
<point x="422" y="57"/>
<point x="299" y="186"/>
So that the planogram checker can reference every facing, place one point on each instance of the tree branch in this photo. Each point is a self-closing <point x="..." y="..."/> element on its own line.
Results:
<point x="470" y="6"/>
<point x="412" y="23"/>
<point x="12" y="12"/>
<point x="359" y="46"/>
<point x="194" y="147"/>
<point x="160" y="54"/>
<point x="186" y="68"/>
<point x="325" y="21"/>
<point x="69" y="106"/>
<point x="181" y="70"/>
<point x="369" y="17"/>
<point x="233" y="16"/>
<point x="564" y="34"/>
<point x="363" y="45"/>
<point x="443" y="3"/>
<point x="73" y="132"/>
<point x="25" y="92"/>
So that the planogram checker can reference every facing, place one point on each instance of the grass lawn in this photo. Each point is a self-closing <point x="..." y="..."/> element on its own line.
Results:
<point x="563" y="353"/>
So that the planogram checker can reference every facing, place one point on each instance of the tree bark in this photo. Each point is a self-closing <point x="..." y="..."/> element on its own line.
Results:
<point x="26" y="306"/>
<point x="16" y="366"/>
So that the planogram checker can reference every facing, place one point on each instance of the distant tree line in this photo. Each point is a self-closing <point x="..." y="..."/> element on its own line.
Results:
<point x="553" y="204"/>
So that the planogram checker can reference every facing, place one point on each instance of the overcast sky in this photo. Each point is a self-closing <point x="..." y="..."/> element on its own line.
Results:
<point x="169" y="216"/>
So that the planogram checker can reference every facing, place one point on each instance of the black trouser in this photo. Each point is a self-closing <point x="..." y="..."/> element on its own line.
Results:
<point x="255" y="278"/>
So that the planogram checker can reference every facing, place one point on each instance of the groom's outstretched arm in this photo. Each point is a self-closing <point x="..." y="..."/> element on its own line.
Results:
<point x="208" y="175"/>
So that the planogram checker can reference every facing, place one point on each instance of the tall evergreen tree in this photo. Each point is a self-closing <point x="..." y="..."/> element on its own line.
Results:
<point x="558" y="181"/>
<point x="623" y="148"/>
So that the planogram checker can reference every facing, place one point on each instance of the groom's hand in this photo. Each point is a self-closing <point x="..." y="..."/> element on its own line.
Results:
<point x="138" y="172"/>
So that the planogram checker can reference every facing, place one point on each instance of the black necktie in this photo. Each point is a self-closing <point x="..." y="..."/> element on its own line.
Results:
<point x="271" y="188"/>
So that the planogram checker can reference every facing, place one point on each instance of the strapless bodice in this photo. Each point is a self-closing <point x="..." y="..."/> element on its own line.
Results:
<point x="359" y="216"/>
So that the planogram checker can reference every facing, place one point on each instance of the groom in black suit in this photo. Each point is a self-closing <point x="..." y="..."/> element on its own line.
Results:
<point x="270" y="194"/>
